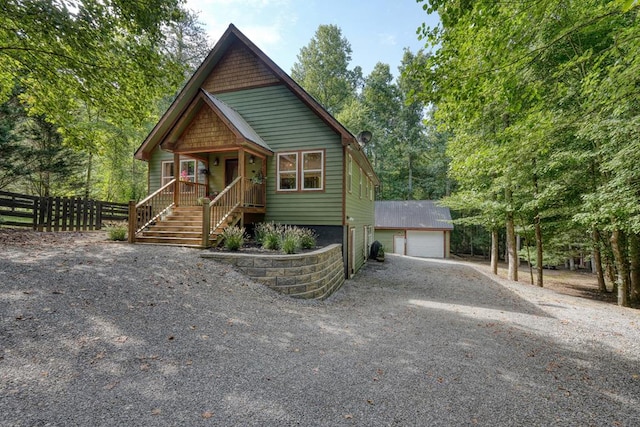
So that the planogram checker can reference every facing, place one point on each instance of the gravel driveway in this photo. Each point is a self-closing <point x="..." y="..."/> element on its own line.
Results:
<point x="95" y="333"/>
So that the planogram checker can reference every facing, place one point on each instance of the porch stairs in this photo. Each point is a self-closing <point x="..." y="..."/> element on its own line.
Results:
<point x="183" y="227"/>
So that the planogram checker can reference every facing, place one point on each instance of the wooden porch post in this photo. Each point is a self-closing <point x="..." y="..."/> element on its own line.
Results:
<point x="264" y="181"/>
<point x="242" y="173"/>
<point x="206" y="223"/>
<point x="176" y="175"/>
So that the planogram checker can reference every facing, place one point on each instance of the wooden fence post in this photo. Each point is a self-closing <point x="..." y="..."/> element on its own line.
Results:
<point x="35" y="214"/>
<point x="98" y="215"/>
<point x="42" y="205"/>
<point x="56" y="214"/>
<point x="132" y="221"/>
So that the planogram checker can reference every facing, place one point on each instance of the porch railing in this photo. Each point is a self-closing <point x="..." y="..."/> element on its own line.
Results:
<point x="254" y="194"/>
<point x="148" y="210"/>
<point x="190" y="192"/>
<point x="224" y="204"/>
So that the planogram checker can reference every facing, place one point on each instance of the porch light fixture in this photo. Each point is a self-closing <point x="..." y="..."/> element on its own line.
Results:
<point x="252" y="159"/>
<point x="216" y="161"/>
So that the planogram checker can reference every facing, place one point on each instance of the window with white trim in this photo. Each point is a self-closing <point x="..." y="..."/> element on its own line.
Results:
<point x="300" y="171"/>
<point x="312" y="170"/>
<point x="287" y="171"/>
<point x="167" y="173"/>
<point x="188" y="170"/>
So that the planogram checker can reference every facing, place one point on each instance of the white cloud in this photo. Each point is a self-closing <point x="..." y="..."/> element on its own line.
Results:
<point x="263" y="21"/>
<point x="387" y="39"/>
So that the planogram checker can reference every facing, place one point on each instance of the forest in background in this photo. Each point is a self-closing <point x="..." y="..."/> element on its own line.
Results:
<point x="541" y="103"/>
<point x="522" y="115"/>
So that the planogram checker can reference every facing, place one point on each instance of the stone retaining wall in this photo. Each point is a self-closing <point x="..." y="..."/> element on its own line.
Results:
<point x="309" y="275"/>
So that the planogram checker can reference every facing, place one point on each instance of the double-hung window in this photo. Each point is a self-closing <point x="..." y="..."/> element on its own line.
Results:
<point x="167" y="172"/>
<point x="312" y="170"/>
<point x="300" y="171"/>
<point x="287" y="171"/>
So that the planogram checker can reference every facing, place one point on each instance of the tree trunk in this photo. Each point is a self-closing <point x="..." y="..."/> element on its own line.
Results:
<point x="529" y="262"/>
<point x="87" y="188"/>
<point x="494" y="251"/>
<point x="621" y="266"/>
<point x="610" y="269"/>
<point x="511" y="248"/>
<point x="634" y="264"/>
<point x="539" y="253"/>
<point x="597" y="261"/>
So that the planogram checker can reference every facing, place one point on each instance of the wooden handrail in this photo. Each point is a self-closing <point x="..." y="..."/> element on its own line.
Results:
<point x="224" y="204"/>
<point x="151" y="208"/>
<point x="223" y="192"/>
<point x="152" y="195"/>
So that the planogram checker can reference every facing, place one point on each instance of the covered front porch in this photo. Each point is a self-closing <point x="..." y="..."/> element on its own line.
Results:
<point x="203" y="194"/>
<point x="210" y="173"/>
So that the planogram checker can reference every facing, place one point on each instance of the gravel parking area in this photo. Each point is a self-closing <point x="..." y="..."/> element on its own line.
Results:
<point x="95" y="333"/>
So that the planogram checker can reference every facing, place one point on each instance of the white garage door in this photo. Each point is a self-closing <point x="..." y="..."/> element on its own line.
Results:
<point x="425" y="244"/>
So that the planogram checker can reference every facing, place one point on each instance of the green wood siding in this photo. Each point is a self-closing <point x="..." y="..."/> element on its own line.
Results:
<point x="155" y="168"/>
<point x="286" y="124"/>
<point x="386" y="238"/>
<point x="360" y="211"/>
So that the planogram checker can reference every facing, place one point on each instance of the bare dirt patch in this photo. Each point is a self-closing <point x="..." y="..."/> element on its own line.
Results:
<point x="10" y="237"/>
<point x="579" y="283"/>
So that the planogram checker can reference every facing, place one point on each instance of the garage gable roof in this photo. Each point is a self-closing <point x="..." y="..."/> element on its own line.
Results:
<point x="413" y="214"/>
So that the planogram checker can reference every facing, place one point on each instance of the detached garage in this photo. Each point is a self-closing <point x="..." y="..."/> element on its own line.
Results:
<point x="417" y="228"/>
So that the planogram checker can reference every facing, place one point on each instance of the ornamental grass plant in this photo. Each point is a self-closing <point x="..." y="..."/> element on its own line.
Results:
<point x="233" y="238"/>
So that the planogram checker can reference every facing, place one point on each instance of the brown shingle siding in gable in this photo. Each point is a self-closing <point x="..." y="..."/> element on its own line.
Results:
<point x="238" y="69"/>
<point x="206" y="130"/>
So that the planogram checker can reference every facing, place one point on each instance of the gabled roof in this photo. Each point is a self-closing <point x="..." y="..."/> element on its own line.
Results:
<point x="190" y="90"/>
<point x="413" y="214"/>
<point x="237" y="121"/>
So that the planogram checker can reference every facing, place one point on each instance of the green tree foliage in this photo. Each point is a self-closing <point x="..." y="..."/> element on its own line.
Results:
<point x="100" y="72"/>
<point x="186" y="42"/>
<point x="34" y="160"/>
<point x="323" y="69"/>
<point x="11" y="153"/>
<point x="541" y="100"/>
<point x="86" y="54"/>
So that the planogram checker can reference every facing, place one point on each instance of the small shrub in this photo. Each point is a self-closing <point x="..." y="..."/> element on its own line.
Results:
<point x="117" y="233"/>
<point x="261" y="230"/>
<point x="308" y="238"/>
<point x="233" y="238"/>
<point x="291" y="241"/>
<point x="270" y="235"/>
<point x="272" y="241"/>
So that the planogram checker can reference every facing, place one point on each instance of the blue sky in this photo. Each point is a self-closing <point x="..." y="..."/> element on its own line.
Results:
<point x="378" y="30"/>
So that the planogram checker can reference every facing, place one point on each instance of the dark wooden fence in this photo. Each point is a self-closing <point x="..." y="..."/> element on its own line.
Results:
<point x="58" y="213"/>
